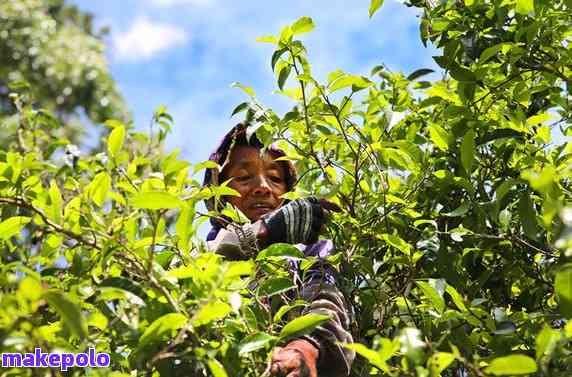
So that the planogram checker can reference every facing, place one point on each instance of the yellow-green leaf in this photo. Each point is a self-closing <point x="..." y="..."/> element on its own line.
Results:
<point x="439" y="136"/>
<point x="524" y="7"/>
<point x="254" y="342"/>
<point x="56" y="202"/>
<point x="439" y="362"/>
<point x="161" y="326"/>
<point x="468" y="151"/>
<point x="302" y="25"/>
<point x="12" y="226"/>
<point x="216" y="368"/>
<point x="69" y="312"/>
<point x="155" y="200"/>
<point x="436" y="299"/>
<point x="511" y="365"/>
<point x="115" y="140"/>
<point x="211" y="312"/>
<point x="267" y="39"/>
<point x="302" y="325"/>
<point x="370" y="355"/>
<point x="99" y="188"/>
<point x="374" y="7"/>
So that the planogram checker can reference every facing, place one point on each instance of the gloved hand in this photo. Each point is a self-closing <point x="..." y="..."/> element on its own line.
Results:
<point x="299" y="221"/>
<point x="297" y="359"/>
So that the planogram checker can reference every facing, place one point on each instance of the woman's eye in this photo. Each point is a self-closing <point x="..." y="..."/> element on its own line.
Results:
<point x="243" y="178"/>
<point x="276" y="179"/>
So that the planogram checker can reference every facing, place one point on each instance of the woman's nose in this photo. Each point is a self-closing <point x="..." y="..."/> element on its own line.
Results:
<point x="262" y="185"/>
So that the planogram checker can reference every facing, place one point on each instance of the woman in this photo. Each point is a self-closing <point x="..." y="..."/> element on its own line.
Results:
<point x="261" y="180"/>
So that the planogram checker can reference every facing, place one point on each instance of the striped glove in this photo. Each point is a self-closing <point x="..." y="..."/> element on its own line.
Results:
<point x="299" y="221"/>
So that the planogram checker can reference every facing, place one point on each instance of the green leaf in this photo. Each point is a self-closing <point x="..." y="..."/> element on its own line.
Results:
<point x="126" y="285"/>
<point x="457" y="298"/>
<point x="460" y="210"/>
<point x="356" y="82"/>
<point x="302" y="25"/>
<point x="397" y="242"/>
<point x="419" y="73"/>
<point x="563" y="288"/>
<point x="490" y="52"/>
<point x="527" y="216"/>
<point x="276" y="56"/>
<point x="439" y="136"/>
<point x="255" y="342"/>
<point x="370" y="355"/>
<point x="211" y="312"/>
<point x="284" y="250"/>
<point x="56" y="202"/>
<point x="184" y="224"/>
<point x="468" y="151"/>
<point x="248" y="90"/>
<point x="524" y="7"/>
<point x="267" y="39"/>
<point x="434" y="297"/>
<point x="374" y="7"/>
<point x="511" y="365"/>
<point x="461" y="74"/>
<point x="13" y="226"/>
<point x="546" y="341"/>
<point x="302" y="325"/>
<point x="69" y="312"/>
<point x="275" y="285"/>
<point x="217" y="369"/>
<point x="162" y="326"/>
<point x="243" y="106"/>
<point x="99" y="188"/>
<point x="155" y="200"/>
<point x="283" y="76"/>
<point x="500" y="133"/>
<point x="439" y="362"/>
<point x="208" y="164"/>
<point x="115" y="140"/>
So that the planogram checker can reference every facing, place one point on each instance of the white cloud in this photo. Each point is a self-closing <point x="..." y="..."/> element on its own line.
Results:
<point x="145" y="39"/>
<point x="171" y="3"/>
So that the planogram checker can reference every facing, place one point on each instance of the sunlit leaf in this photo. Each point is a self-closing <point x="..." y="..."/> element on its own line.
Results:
<point x="302" y="325"/>
<point x="155" y="200"/>
<point x="511" y="366"/>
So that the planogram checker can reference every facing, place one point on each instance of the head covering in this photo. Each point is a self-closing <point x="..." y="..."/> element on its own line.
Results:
<point x="239" y="135"/>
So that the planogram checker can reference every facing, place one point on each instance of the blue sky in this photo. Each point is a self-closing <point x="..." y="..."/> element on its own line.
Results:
<point x="186" y="53"/>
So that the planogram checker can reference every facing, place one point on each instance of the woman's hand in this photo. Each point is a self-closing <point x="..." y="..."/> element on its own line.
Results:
<point x="297" y="359"/>
<point x="299" y="221"/>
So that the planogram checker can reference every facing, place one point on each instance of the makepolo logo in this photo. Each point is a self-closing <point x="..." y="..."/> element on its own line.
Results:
<point x="64" y="360"/>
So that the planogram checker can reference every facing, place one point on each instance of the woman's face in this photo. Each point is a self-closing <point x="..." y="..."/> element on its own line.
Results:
<point x="259" y="179"/>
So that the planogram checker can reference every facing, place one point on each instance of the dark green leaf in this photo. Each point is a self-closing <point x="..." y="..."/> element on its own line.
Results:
<point x="563" y="288"/>
<point x="419" y="73"/>
<point x="243" y="106"/>
<point x="527" y="216"/>
<point x="283" y="76"/>
<point x="275" y="285"/>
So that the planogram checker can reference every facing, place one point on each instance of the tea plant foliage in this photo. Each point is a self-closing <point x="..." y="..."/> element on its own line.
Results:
<point x="455" y="240"/>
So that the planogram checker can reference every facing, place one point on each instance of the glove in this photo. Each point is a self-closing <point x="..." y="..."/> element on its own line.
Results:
<point x="299" y="221"/>
<point x="297" y="359"/>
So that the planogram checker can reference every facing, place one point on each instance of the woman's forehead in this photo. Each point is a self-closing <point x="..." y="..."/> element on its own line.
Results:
<point x="244" y="156"/>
